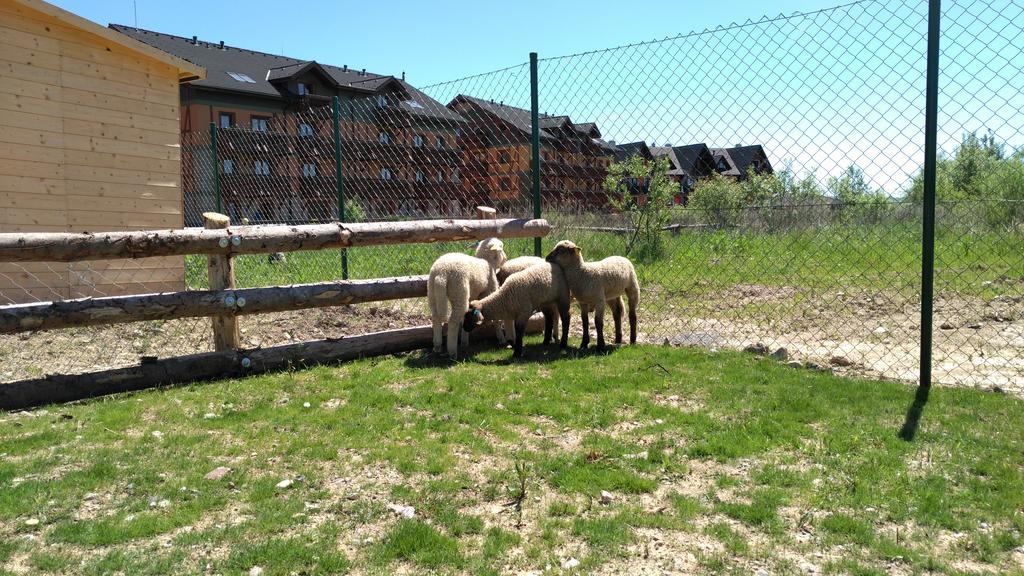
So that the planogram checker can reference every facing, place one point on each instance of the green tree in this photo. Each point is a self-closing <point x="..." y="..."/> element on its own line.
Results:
<point x="647" y="214"/>
<point x="720" y="201"/>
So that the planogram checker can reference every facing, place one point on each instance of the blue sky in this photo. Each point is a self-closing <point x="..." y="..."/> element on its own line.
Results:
<point x="822" y="90"/>
<point x="430" y="41"/>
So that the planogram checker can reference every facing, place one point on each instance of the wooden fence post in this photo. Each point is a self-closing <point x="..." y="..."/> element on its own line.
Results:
<point x="486" y="213"/>
<point x="221" y="269"/>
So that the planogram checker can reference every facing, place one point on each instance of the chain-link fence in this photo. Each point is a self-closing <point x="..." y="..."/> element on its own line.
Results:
<point x="764" y="177"/>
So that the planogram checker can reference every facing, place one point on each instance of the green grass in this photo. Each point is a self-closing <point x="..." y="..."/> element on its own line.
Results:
<point x="761" y="454"/>
<point x="831" y="258"/>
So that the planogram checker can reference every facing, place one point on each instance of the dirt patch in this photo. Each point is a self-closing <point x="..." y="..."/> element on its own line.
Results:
<point x="79" y="350"/>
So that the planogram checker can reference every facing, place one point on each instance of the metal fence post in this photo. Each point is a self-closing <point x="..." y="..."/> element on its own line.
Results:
<point x="535" y="144"/>
<point x="338" y="180"/>
<point x="928" y="224"/>
<point x="216" y="166"/>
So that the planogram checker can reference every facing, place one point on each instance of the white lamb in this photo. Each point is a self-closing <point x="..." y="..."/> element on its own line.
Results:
<point x="540" y="287"/>
<point x="454" y="280"/>
<point x="595" y="283"/>
<point x="516" y="265"/>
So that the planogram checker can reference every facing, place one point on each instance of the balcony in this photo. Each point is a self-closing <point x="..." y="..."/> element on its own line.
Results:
<point x="250" y="184"/>
<point x="241" y="141"/>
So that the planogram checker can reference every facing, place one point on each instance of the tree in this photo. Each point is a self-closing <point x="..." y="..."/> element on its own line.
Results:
<point x="646" y="213"/>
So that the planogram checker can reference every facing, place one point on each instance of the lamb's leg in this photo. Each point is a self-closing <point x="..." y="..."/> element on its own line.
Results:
<point x="563" y="311"/>
<point x="586" y="326"/>
<point x="634" y="298"/>
<point x="616" y="305"/>
<point x="517" y="349"/>
<point x="553" y="310"/>
<point x="437" y="320"/>
<point x="459" y="303"/>
<point x="599" y="324"/>
<point x="549" y="320"/>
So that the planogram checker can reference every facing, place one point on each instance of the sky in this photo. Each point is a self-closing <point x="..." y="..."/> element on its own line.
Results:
<point x="430" y="41"/>
<point x="821" y="85"/>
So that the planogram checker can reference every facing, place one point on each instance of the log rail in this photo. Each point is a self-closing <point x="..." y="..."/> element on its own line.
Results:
<point x="220" y="242"/>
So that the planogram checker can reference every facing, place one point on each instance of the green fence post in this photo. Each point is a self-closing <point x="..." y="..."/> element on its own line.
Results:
<point x="338" y="180"/>
<point x="928" y="224"/>
<point x="216" y="167"/>
<point x="535" y="144"/>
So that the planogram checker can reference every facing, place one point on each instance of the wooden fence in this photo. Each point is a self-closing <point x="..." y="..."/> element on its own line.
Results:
<point x="223" y="302"/>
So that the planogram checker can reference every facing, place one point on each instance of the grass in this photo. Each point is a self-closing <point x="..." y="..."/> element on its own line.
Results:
<point x="831" y="258"/>
<point x="504" y="462"/>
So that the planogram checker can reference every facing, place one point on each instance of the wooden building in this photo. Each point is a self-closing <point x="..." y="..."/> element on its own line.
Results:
<point x="496" y="150"/>
<point x="276" y="153"/>
<point x="89" y="141"/>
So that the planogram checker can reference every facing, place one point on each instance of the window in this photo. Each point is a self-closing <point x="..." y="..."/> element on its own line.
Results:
<point x="227" y="120"/>
<point x="504" y="157"/>
<point x="241" y="77"/>
<point x="384" y="138"/>
<point x="440" y="176"/>
<point x="304" y="89"/>
<point x="505" y="185"/>
<point x="261" y="168"/>
<point x="305" y="130"/>
<point x="420" y="177"/>
<point x="439" y="143"/>
<point x="259" y="124"/>
<point x="382" y="101"/>
<point x="458" y="132"/>
<point x="308" y="170"/>
<point x="385" y="174"/>
<point x="455" y="175"/>
<point x="417" y="141"/>
<point x="229" y="166"/>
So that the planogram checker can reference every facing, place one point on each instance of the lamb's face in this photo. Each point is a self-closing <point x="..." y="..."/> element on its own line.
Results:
<point x="473" y="318"/>
<point x="493" y="251"/>
<point x="565" y="252"/>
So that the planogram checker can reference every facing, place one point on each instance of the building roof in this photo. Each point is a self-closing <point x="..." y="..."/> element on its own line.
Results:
<point x="516" y="117"/>
<point x="588" y="129"/>
<point x="257" y="73"/>
<point x="740" y="158"/>
<point x="187" y="70"/>
<point x="670" y="152"/>
<point x="628" y="149"/>
<point x="688" y="158"/>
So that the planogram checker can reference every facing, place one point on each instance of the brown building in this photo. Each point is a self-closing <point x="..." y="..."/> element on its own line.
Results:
<point x="496" y="149"/>
<point x="89" y="141"/>
<point x="275" y="154"/>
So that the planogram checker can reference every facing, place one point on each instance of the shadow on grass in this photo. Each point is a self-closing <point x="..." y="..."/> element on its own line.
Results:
<point x="531" y="353"/>
<point x="913" y="419"/>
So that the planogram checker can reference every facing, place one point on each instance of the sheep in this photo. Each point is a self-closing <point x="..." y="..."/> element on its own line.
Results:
<point x="454" y="280"/>
<point x="517" y="265"/>
<point x="539" y="287"/>
<point x="595" y="283"/>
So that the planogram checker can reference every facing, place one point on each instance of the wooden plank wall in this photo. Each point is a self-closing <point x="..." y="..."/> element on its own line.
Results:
<point x="89" y="141"/>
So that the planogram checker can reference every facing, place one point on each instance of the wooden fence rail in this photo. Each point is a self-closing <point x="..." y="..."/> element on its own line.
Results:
<point x="223" y="303"/>
<point x="200" y="303"/>
<point x="72" y="247"/>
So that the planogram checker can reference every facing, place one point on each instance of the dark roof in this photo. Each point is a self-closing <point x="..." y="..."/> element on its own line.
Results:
<point x="589" y="129"/>
<point x="690" y="156"/>
<point x="266" y="69"/>
<point x="516" y="117"/>
<point x="740" y="158"/>
<point x="670" y="152"/>
<point x="624" y="151"/>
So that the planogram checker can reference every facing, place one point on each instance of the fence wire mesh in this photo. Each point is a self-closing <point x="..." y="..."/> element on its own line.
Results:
<point x="764" y="177"/>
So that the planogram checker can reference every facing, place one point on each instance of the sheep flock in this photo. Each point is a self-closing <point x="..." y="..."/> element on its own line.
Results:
<point x="469" y="290"/>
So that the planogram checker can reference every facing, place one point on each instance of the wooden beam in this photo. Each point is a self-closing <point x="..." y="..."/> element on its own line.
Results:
<point x="201" y="303"/>
<point x="220" y="270"/>
<point x="225" y="364"/>
<point x="72" y="247"/>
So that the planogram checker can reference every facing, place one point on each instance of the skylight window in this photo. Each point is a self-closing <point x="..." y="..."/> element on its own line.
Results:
<point x="241" y="77"/>
<point x="414" y="104"/>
